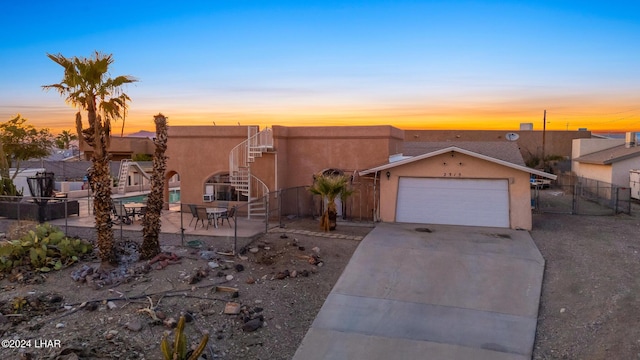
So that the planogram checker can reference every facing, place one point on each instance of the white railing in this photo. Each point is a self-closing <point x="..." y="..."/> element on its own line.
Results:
<point x="240" y="159"/>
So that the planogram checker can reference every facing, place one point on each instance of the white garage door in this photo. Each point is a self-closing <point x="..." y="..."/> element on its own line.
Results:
<point x="472" y="202"/>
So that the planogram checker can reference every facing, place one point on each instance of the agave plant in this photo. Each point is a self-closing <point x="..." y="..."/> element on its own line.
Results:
<point x="178" y="350"/>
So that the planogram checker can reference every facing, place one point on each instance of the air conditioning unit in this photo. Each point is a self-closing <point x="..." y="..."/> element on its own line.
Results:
<point x="207" y="197"/>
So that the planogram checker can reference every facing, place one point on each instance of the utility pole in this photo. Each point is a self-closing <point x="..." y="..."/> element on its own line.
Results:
<point x="544" y="134"/>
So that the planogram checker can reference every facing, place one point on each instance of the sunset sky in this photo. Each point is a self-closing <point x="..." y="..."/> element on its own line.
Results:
<point x="411" y="64"/>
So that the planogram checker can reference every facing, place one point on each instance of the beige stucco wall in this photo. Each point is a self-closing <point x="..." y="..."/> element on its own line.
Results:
<point x="304" y="151"/>
<point x="519" y="189"/>
<point x="197" y="152"/>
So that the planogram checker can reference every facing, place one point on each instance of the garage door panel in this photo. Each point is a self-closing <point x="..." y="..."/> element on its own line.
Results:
<point x="472" y="202"/>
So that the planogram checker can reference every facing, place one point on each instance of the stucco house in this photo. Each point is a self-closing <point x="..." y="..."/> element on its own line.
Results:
<point x="606" y="160"/>
<point x="465" y="183"/>
<point x="470" y="183"/>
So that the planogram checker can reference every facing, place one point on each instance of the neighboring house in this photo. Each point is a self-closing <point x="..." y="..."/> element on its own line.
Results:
<point x="606" y="160"/>
<point x="485" y="183"/>
<point x="530" y="142"/>
<point x="122" y="147"/>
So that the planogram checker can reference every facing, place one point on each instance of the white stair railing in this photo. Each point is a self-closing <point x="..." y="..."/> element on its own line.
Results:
<point x="123" y="176"/>
<point x="240" y="159"/>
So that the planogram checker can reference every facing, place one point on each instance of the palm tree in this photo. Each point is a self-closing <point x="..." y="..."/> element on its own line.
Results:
<point x="86" y="86"/>
<point x="155" y="201"/>
<point x="330" y="186"/>
<point x="65" y="138"/>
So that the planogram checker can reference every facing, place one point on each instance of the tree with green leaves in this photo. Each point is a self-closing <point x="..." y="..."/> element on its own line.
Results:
<point x="330" y="186"/>
<point x="86" y="85"/>
<point x="20" y="141"/>
<point x="65" y="138"/>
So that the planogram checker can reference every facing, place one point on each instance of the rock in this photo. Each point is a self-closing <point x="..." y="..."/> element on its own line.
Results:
<point x="229" y="277"/>
<point x="91" y="306"/>
<point x="111" y="305"/>
<point x="293" y="274"/>
<point x="254" y="250"/>
<point x="267" y="247"/>
<point x="188" y="316"/>
<point x="304" y="273"/>
<point x="301" y="248"/>
<point x="232" y="308"/>
<point x="284" y="236"/>
<point x="59" y="325"/>
<point x="252" y="325"/>
<point x="282" y="275"/>
<point x="161" y="315"/>
<point x="170" y="323"/>
<point x="208" y="255"/>
<point x="239" y="267"/>
<point x="109" y="335"/>
<point x="243" y="258"/>
<point x="134" y="325"/>
<point x="213" y="264"/>
<point x="316" y="250"/>
<point x="250" y="280"/>
<point x="562" y="310"/>
<point x="3" y="319"/>
<point x="320" y="264"/>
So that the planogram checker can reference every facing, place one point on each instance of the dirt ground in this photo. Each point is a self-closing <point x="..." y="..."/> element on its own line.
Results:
<point x="281" y="284"/>
<point x="590" y="305"/>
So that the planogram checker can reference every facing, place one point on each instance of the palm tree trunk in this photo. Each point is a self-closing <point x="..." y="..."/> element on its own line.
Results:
<point x="101" y="186"/>
<point x="155" y="201"/>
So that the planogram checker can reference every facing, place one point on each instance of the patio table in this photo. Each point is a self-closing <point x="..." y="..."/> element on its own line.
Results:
<point x="214" y="214"/>
<point x="135" y="207"/>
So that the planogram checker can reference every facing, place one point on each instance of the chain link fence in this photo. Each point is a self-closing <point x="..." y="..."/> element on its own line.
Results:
<point x="570" y="194"/>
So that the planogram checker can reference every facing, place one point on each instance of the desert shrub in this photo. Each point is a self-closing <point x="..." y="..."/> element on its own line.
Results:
<point x="43" y="247"/>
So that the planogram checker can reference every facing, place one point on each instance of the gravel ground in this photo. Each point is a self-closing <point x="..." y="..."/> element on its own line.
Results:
<point x="590" y="306"/>
<point x="281" y="285"/>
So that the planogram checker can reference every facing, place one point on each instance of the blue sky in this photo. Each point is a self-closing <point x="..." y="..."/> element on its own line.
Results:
<point x="427" y="64"/>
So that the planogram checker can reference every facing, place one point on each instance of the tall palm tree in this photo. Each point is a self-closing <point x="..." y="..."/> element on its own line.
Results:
<point x="65" y="138"/>
<point x="87" y="86"/>
<point x="151" y="223"/>
<point x="330" y="186"/>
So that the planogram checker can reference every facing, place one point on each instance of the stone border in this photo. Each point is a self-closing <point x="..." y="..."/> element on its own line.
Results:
<point x="316" y="233"/>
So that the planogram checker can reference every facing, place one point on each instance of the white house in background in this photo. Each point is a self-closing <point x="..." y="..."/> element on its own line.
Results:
<point x="607" y="160"/>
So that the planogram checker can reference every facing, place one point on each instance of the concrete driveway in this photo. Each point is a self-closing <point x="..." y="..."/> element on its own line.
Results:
<point x="432" y="292"/>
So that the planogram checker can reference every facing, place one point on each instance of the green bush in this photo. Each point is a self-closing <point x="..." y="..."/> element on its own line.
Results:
<point x="44" y="248"/>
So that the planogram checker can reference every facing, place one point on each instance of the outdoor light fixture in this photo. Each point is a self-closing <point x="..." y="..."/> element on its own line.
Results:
<point x="388" y="175"/>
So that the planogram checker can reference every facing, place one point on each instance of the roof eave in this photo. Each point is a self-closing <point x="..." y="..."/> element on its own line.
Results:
<point x="462" y="151"/>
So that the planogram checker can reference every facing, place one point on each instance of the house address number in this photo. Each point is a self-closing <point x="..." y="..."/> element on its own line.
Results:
<point x="452" y="174"/>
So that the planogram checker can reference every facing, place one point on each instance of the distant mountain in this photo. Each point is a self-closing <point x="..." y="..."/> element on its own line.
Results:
<point x="143" y="134"/>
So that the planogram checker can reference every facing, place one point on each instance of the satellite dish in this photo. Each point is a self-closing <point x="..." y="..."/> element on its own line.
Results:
<point x="512" y="136"/>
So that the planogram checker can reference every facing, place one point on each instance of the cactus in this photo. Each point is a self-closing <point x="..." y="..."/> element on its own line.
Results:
<point x="45" y="247"/>
<point x="178" y="351"/>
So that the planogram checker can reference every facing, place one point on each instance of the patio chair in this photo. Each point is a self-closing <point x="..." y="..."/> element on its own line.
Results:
<point x="229" y="215"/>
<point x="121" y="214"/>
<point x="202" y="216"/>
<point x="192" y="208"/>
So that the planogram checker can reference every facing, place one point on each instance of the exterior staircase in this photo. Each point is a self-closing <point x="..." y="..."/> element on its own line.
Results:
<point x="240" y="159"/>
<point x="123" y="176"/>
